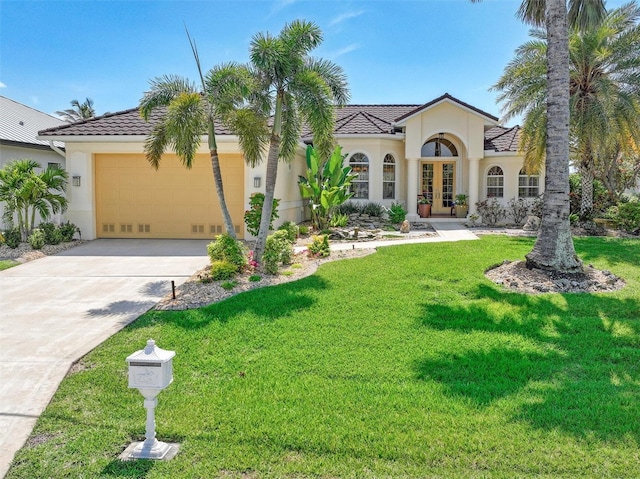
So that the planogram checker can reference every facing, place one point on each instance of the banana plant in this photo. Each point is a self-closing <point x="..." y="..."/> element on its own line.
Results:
<point x="326" y="185"/>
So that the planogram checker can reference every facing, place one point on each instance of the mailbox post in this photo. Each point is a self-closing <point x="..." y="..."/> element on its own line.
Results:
<point x="150" y="371"/>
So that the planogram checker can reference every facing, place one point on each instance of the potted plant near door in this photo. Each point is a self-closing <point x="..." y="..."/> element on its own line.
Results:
<point x="462" y="208"/>
<point x="424" y="207"/>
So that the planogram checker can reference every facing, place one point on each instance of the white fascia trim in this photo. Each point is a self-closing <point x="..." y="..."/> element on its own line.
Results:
<point x="122" y="138"/>
<point x="493" y="153"/>
<point x="447" y="100"/>
<point x="380" y="136"/>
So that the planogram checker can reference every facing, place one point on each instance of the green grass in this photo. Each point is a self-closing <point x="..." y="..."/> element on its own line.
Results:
<point x="7" y="263"/>
<point x="407" y="363"/>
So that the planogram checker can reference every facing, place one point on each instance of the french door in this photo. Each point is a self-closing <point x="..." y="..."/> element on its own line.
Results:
<point x="439" y="185"/>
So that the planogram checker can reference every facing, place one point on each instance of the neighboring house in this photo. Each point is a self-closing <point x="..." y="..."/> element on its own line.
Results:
<point x="442" y="148"/>
<point x="19" y="126"/>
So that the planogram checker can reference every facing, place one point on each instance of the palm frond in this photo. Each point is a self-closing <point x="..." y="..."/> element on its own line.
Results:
<point x="163" y="90"/>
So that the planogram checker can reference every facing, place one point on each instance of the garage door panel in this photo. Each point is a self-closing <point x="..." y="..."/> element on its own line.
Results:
<point x="135" y="201"/>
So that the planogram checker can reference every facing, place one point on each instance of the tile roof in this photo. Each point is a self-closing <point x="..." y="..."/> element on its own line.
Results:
<point x="446" y="96"/>
<point x="122" y="123"/>
<point x="19" y="124"/>
<point x="501" y="139"/>
<point x="350" y="120"/>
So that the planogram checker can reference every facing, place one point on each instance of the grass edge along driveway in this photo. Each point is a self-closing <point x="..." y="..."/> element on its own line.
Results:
<point x="406" y="363"/>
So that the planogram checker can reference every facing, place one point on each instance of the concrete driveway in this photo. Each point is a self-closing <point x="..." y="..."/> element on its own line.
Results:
<point x="56" y="309"/>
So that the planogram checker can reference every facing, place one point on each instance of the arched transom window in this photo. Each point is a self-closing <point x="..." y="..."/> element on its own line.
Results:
<point x="389" y="178"/>
<point x="495" y="182"/>
<point x="438" y="147"/>
<point x="528" y="185"/>
<point x="359" y="164"/>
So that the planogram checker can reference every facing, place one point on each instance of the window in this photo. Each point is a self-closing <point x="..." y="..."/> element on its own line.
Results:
<point x="54" y="165"/>
<point x="438" y="147"/>
<point x="389" y="178"/>
<point x="495" y="182"/>
<point x="528" y="185"/>
<point x="359" y="164"/>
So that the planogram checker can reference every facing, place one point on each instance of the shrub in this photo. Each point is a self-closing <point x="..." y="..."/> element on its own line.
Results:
<point x="292" y="230"/>
<point x="68" y="230"/>
<point x="536" y="206"/>
<point x="36" y="239"/>
<point x="373" y="209"/>
<point x="277" y="250"/>
<point x="338" y="220"/>
<point x="254" y="278"/>
<point x="573" y="219"/>
<point x="51" y="233"/>
<point x="349" y="208"/>
<point x="320" y="246"/>
<point x="518" y="210"/>
<point x="397" y="213"/>
<point x="253" y="215"/>
<point x="229" y="285"/>
<point x="303" y="230"/>
<point x="13" y="237"/>
<point x="628" y="217"/>
<point x="226" y="248"/>
<point x="223" y="270"/>
<point x="491" y="211"/>
<point x="1" y="238"/>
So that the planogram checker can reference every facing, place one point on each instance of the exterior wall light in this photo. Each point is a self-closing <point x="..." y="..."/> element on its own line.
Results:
<point x="257" y="181"/>
<point x="75" y="180"/>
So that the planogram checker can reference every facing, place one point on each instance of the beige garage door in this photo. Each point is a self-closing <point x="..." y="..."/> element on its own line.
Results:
<point x="135" y="201"/>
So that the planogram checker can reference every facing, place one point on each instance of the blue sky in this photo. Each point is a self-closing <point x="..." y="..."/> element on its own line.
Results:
<point x="398" y="51"/>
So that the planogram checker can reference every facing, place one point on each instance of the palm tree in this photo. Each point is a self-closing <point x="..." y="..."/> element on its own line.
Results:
<point x="26" y="193"/>
<point x="604" y="92"/>
<point x="293" y="89"/>
<point x="554" y="249"/>
<point x="80" y="111"/>
<point x="190" y="113"/>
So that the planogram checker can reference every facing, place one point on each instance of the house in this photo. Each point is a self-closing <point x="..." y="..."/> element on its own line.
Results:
<point x="19" y="126"/>
<point x="439" y="149"/>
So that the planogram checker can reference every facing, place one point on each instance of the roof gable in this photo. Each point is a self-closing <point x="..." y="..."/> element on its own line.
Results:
<point x="441" y="99"/>
<point x="19" y="124"/>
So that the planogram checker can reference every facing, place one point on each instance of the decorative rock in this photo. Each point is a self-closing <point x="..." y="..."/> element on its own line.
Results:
<point x="405" y="227"/>
<point x="532" y="224"/>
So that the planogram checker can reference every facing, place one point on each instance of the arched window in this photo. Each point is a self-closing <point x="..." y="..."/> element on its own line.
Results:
<point x="438" y="147"/>
<point x="495" y="182"/>
<point x="528" y="185"/>
<point x="389" y="178"/>
<point x="359" y="164"/>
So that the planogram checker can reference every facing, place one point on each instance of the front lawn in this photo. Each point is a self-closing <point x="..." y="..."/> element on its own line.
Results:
<point x="406" y="363"/>
<point x="7" y="263"/>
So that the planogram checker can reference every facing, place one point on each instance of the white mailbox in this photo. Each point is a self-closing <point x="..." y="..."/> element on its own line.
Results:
<point x="151" y="367"/>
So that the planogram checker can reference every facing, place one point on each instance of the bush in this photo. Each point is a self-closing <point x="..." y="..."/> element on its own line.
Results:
<point x="536" y="206"/>
<point x="12" y="238"/>
<point x="277" y="250"/>
<point x="320" y="246"/>
<point x="292" y="230"/>
<point x="68" y="230"/>
<point x="36" y="239"/>
<point x="373" y="209"/>
<point x="349" y="208"/>
<point x="229" y="285"/>
<point x="51" y="233"/>
<point x="253" y="215"/>
<point x="397" y="213"/>
<point x="303" y="230"/>
<point x="226" y="248"/>
<point x="223" y="270"/>
<point x="518" y="210"/>
<point x="491" y="211"/>
<point x="338" y="220"/>
<point x="1" y="238"/>
<point x="628" y="217"/>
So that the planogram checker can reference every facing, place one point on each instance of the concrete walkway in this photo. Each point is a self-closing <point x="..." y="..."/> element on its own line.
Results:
<point x="56" y="309"/>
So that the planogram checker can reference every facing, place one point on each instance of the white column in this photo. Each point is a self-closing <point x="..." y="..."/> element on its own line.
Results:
<point x="412" y="188"/>
<point x="474" y="183"/>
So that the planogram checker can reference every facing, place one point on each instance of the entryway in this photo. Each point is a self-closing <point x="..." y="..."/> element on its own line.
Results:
<point x="439" y="185"/>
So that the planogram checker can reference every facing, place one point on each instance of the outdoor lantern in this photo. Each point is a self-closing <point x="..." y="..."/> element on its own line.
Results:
<point x="150" y="371"/>
<point x="75" y="180"/>
<point x="257" y="181"/>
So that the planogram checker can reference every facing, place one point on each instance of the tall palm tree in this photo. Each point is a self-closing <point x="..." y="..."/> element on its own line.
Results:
<point x="27" y="192"/>
<point x="190" y="112"/>
<point x="554" y="249"/>
<point x="78" y="112"/>
<point x="293" y="89"/>
<point x="604" y="92"/>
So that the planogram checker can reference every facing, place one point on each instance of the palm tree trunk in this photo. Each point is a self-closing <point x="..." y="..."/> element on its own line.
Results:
<point x="554" y="248"/>
<point x="270" y="189"/>
<point x="586" y="198"/>
<point x="217" y="178"/>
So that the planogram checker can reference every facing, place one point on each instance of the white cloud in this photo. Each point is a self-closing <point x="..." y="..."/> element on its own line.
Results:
<point x="281" y="4"/>
<point x="344" y="51"/>
<point x="2" y="85"/>
<point x="344" y="17"/>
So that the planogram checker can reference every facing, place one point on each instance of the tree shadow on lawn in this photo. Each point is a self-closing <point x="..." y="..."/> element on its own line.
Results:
<point x="573" y="358"/>
<point x="614" y="250"/>
<point x="269" y="303"/>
